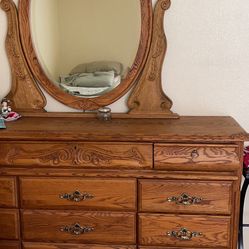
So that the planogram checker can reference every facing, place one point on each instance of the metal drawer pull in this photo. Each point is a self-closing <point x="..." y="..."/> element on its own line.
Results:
<point x="76" y="229"/>
<point x="185" y="199"/>
<point x="194" y="154"/>
<point x="77" y="196"/>
<point x="184" y="234"/>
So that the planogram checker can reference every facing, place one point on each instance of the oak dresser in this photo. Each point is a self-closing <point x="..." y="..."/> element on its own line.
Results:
<point x="124" y="184"/>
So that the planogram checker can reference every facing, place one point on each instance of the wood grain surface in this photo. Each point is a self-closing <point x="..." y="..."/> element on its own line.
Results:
<point x="185" y="129"/>
<point x="8" y="192"/>
<point x="9" y="224"/>
<point x="87" y="155"/>
<point x="107" y="194"/>
<point x="196" y="157"/>
<point x="31" y="245"/>
<point x="115" y="228"/>
<point x="153" y="229"/>
<point x="216" y="197"/>
<point x="9" y="245"/>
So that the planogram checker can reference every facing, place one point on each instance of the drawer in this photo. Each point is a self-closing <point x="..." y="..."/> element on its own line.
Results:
<point x="9" y="245"/>
<point x="73" y="193"/>
<point x="196" y="157"/>
<point x="8" y="192"/>
<point x="87" y="155"/>
<point x="184" y="231"/>
<point x="76" y="226"/>
<point x="9" y="224"/>
<point x="213" y="197"/>
<point x="70" y="246"/>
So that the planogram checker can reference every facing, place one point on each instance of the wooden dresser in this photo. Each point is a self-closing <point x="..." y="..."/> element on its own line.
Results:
<point x="129" y="183"/>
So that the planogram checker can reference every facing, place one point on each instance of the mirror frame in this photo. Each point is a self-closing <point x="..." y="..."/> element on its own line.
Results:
<point x="79" y="102"/>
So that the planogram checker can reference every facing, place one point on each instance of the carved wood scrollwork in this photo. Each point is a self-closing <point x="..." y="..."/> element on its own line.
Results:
<point x="25" y="94"/>
<point x="148" y="97"/>
<point x="74" y="155"/>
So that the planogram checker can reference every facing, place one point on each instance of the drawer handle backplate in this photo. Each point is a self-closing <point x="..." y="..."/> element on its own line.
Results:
<point x="184" y="234"/>
<point x="185" y="199"/>
<point x="77" y="196"/>
<point x="76" y="229"/>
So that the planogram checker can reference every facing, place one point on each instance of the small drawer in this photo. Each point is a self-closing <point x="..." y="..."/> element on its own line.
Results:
<point x="196" y="157"/>
<point x="80" y="155"/>
<point x="205" y="197"/>
<point x="8" y="192"/>
<point x="9" y="245"/>
<point x="73" y="193"/>
<point x="79" y="226"/>
<point x="70" y="246"/>
<point x="9" y="224"/>
<point x="184" y="231"/>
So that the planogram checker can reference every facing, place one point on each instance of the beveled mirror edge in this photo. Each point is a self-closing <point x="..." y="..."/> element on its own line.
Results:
<point x="77" y="102"/>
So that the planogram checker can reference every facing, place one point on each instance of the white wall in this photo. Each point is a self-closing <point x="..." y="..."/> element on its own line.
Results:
<point x="206" y="71"/>
<point x="45" y="34"/>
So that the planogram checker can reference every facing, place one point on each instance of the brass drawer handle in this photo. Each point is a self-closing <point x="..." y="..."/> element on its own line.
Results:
<point x="185" y="199"/>
<point x="76" y="229"/>
<point x="76" y="196"/>
<point x="184" y="234"/>
<point x="194" y="154"/>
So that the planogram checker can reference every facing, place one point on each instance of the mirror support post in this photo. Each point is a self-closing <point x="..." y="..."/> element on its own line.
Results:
<point x="25" y="95"/>
<point x="148" y="98"/>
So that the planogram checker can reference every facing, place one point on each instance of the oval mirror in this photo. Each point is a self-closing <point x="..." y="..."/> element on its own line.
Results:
<point x="85" y="53"/>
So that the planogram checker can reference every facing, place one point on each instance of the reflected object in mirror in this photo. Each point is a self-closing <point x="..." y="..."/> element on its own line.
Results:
<point x="85" y="46"/>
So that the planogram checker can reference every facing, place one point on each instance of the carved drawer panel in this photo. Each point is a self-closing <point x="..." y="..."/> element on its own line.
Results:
<point x="9" y="224"/>
<point x="184" y="230"/>
<point x="88" y="155"/>
<point x="73" y="193"/>
<point x="70" y="246"/>
<point x="196" y="157"/>
<point x="9" y="245"/>
<point x="211" y="197"/>
<point x="8" y="192"/>
<point x="79" y="226"/>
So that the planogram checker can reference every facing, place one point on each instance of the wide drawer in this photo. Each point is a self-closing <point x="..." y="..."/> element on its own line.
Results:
<point x="9" y="224"/>
<point x="75" y="226"/>
<point x="184" y="230"/>
<point x="70" y="246"/>
<point x="196" y="157"/>
<point x="87" y="155"/>
<point x="73" y="193"/>
<point x="8" y="192"/>
<point x="9" y="245"/>
<point x="214" y="197"/>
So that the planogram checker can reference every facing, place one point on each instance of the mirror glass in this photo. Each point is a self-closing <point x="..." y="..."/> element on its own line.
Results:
<point x="86" y="47"/>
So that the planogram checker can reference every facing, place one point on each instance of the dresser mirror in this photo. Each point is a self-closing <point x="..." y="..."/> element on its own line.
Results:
<point x="84" y="46"/>
<point x="87" y="54"/>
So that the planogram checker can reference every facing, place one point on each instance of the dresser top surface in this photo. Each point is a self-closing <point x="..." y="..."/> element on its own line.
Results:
<point x="186" y="128"/>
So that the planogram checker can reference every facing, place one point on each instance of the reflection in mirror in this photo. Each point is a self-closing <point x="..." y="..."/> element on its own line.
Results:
<point x="86" y="47"/>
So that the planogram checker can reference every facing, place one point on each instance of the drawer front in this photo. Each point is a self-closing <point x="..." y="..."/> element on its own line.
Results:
<point x="73" y="193"/>
<point x="185" y="196"/>
<point x="70" y="246"/>
<point x="8" y="192"/>
<point x="9" y="245"/>
<point x="59" y="226"/>
<point x="176" y="230"/>
<point x="87" y="155"/>
<point x="196" y="157"/>
<point x="9" y="224"/>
